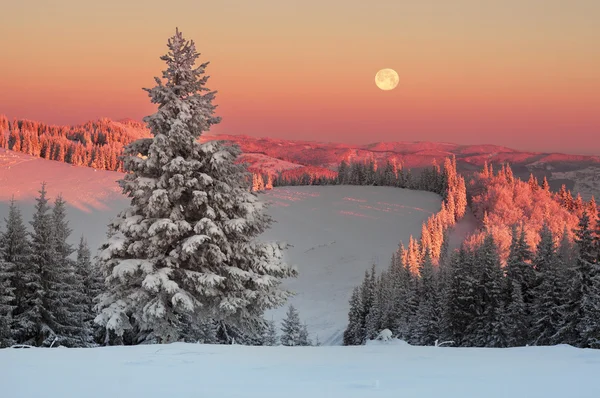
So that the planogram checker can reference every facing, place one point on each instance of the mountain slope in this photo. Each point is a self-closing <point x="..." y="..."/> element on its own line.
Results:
<point x="98" y="144"/>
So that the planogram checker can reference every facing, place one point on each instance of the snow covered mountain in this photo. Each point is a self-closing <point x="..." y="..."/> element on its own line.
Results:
<point x="274" y="155"/>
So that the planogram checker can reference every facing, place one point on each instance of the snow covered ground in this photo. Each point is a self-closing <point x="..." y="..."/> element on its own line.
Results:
<point x="204" y="371"/>
<point x="337" y="232"/>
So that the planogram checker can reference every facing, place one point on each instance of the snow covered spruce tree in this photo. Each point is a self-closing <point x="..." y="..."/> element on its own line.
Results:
<point x="16" y="252"/>
<point x="6" y="299"/>
<point x="92" y="287"/>
<point x="291" y="328"/>
<point x="186" y="250"/>
<point x="66" y="289"/>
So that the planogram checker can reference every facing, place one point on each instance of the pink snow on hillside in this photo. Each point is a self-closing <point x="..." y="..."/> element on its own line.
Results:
<point x="82" y="187"/>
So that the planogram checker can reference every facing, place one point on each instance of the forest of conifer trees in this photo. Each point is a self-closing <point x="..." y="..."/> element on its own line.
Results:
<point x="46" y="295"/>
<point x="98" y="144"/>
<point x="544" y="290"/>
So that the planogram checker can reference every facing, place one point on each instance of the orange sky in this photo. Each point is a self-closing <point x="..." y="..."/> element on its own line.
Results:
<point x="521" y="73"/>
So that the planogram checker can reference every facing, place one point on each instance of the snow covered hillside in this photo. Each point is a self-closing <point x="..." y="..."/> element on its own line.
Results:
<point x="93" y="197"/>
<point x="337" y="232"/>
<point x="375" y="371"/>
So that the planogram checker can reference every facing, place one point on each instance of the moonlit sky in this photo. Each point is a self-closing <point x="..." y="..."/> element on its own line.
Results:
<point x="520" y="73"/>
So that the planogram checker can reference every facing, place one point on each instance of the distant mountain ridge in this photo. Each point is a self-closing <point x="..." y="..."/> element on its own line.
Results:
<point x="581" y="173"/>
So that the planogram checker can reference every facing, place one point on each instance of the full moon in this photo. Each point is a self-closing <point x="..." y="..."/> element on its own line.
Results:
<point x="387" y="79"/>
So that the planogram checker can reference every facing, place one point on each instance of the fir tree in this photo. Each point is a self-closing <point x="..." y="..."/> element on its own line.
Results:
<point x="487" y="328"/>
<point x="373" y="324"/>
<point x="515" y="319"/>
<point x="16" y="255"/>
<point x="519" y="270"/>
<point x="186" y="248"/>
<point x="93" y="284"/>
<point x="6" y="299"/>
<point x="587" y="279"/>
<point x="40" y="316"/>
<point x="428" y="315"/>
<point x="65" y="295"/>
<point x="291" y="328"/>
<point x="549" y="291"/>
<point x="578" y="322"/>
<point x="352" y="332"/>
<point x="461" y="302"/>
<point x="367" y="293"/>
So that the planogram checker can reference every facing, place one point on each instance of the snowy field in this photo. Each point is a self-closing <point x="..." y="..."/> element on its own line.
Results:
<point x="337" y="232"/>
<point x="394" y="371"/>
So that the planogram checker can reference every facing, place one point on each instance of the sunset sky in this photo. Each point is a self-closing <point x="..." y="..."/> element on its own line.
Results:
<point x="520" y="73"/>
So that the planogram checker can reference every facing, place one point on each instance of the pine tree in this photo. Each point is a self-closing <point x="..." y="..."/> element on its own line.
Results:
<point x="6" y="299"/>
<point x="515" y="321"/>
<point x="373" y="324"/>
<point x="549" y="291"/>
<point x="291" y="328"/>
<point x="367" y="300"/>
<point x="40" y="315"/>
<point x="186" y="248"/>
<point x="412" y="307"/>
<point x="65" y="295"/>
<point x="16" y="254"/>
<point x="487" y="328"/>
<point x="352" y="332"/>
<point x="92" y="287"/>
<point x="270" y="338"/>
<point x="588" y="280"/>
<point x="519" y="270"/>
<point x="578" y="323"/>
<point x="461" y="301"/>
<point x="428" y="315"/>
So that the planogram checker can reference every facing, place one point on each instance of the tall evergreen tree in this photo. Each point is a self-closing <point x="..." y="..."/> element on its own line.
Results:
<point x="461" y="302"/>
<point x="367" y="300"/>
<point x="40" y="315"/>
<point x="93" y="285"/>
<point x="352" y="332"/>
<point x="428" y="315"/>
<point x="186" y="248"/>
<point x="577" y="327"/>
<point x="515" y="320"/>
<point x="519" y="270"/>
<point x="487" y="329"/>
<point x="65" y="295"/>
<point x="375" y="312"/>
<point x="588" y="279"/>
<point x="6" y="299"/>
<point x="549" y="291"/>
<point x="16" y="254"/>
